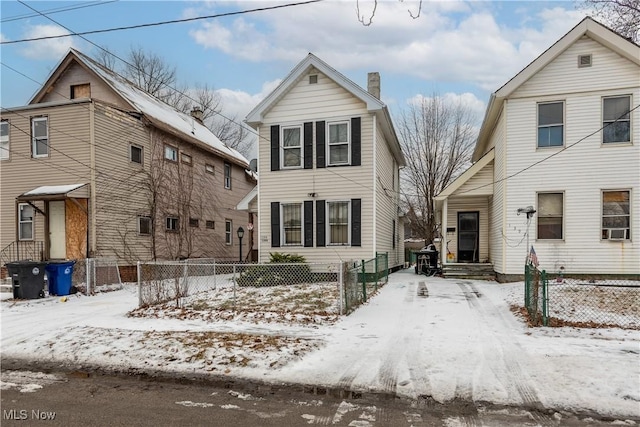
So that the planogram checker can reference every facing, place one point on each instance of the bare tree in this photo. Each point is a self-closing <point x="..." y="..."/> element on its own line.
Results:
<point x="368" y="20"/>
<point x="623" y="16"/>
<point x="150" y="73"/>
<point x="437" y="138"/>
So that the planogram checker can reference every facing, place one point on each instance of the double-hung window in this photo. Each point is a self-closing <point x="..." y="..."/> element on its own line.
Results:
<point x="616" y="215"/>
<point x="616" y="119"/>
<point x="227" y="176"/>
<point x="25" y="221"/>
<point x="40" y="137"/>
<point x="292" y="224"/>
<point x="228" y="232"/>
<point x="338" y="223"/>
<point x="551" y="124"/>
<point x="339" y="143"/>
<point x="291" y="147"/>
<point x="4" y="140"/>
<point x="170" y="153"/>
<point x="550" y="216"/>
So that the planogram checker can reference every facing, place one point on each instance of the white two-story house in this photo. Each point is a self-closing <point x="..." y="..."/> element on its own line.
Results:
<point x="561" y="138"/>
<point x="329" y="162"/>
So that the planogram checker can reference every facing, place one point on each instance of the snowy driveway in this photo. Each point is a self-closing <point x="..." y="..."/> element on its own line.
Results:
<point x="458" y="341"/>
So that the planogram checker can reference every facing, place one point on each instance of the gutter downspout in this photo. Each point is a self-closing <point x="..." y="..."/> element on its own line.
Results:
<point x="91" y="234"/>
<point x="375" y="185"/>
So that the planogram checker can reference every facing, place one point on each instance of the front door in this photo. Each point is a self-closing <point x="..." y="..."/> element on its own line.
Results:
<point x="468" y="237"/>
<point x="57" y="231"/>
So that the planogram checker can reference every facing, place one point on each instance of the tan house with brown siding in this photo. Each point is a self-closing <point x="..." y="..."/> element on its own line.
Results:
<point x="93" y="166"/>
<point x="329" y="162"/>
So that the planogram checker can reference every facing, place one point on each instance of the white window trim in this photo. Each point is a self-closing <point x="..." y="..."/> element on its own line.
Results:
<point x="140" y="218"/>
<point x="227" y="177"/>
<point x="166" y="223"/>
<point x="5" y="153"/>
<point x="602" y="215"/>
<point x="608" y="144"/>
<point x="328" y="223"/>
<point x="174" y="150"/>
<point x="34" y="139"/>
<point x="20" y="222"/>
<point x="538" y="216"/>
<point x="564" y="126"/>
<point x="282" y="147"/>
<point x="282" y="231"/>
<point x="347" y="143"/>
<point x="228" y="235"/>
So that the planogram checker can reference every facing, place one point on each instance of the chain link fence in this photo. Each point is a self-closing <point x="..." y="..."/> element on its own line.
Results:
<point x="291" y="288"/>
<point x="93" y="275"/>
<point x="589" y="303"/>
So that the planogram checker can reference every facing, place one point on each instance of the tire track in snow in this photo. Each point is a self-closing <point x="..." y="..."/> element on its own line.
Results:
<point x="417" y="372"/>
<point x="514" y="371"/>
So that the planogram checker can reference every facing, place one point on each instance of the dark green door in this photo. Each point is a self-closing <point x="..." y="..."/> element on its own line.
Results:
<point x="468" y="236"/>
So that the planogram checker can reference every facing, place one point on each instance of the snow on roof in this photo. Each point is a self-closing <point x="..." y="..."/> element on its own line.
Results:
<point x="156" y="109"/>
<point x="53" y="189"/>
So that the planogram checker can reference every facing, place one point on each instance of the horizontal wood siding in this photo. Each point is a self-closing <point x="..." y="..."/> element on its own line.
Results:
<point x="306" y="102"/>
<point x="75" y="75"/>
<point x="496" y="203"/>
<point x="562" y="75"/>
<point x="387" y="201"/>
<point x="68" y="161"/>
<point x="581" y="173"/>
<point x="480" y="184"/>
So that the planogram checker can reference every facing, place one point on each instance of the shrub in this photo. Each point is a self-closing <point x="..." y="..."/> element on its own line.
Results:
<point x="275" y="275"/>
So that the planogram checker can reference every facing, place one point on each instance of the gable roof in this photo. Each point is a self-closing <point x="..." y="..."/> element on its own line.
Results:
<point x="374" y="105"/>
<point x="160" y="114"/>
<point x="466" y="176"/>
<point x="587" y="27"/>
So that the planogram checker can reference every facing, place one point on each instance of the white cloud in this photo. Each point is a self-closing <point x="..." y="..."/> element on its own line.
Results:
<point x="49" y="48"/>
<point x="3" y="38"/>
<point x="238" y="104"/>
<point x="450" y="41"/>
<point x="469" y="100"/>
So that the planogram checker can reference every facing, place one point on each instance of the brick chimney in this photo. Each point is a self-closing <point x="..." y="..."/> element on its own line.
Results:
<point x="197" y="114"/>
<point x="373" y="84"/>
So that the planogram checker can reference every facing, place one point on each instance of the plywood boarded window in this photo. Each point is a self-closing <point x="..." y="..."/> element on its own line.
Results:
<point x="80" y="91"/>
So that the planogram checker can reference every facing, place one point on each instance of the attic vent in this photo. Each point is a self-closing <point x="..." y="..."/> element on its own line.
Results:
<point x="313" y="79"/>
<point x="584" y="61"/>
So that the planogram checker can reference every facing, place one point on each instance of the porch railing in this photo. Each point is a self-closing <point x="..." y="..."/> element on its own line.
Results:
<point x="21" y="250"/>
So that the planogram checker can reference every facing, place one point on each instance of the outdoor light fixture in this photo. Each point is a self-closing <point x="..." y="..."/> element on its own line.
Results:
<point x="240" y="236"/>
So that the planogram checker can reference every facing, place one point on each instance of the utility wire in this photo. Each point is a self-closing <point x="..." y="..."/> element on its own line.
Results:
<point x="58" y="10"/>
<point x="155" y="24"/>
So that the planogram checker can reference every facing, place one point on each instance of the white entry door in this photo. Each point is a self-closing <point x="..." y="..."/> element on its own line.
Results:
<point x="57" y="231"/>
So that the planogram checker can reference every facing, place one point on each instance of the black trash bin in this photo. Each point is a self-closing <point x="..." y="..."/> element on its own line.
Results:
<point x="27" y="279"/>
<point x="427" y="260"/>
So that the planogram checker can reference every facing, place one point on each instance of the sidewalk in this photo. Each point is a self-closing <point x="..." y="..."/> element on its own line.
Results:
<point x="460" y="342"/>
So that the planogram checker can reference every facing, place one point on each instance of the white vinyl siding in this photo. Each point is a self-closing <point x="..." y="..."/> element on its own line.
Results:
<point x="324" y="101"/>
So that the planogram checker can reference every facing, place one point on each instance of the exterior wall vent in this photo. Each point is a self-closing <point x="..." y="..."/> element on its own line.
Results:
<point x="584" y="61"/>
<point x="313" y="79"/>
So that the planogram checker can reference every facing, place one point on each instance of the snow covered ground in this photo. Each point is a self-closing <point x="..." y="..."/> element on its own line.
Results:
<point x="459" y="340"/>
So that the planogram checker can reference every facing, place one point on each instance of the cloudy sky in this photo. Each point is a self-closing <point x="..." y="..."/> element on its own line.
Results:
<point x="457" y="49"/>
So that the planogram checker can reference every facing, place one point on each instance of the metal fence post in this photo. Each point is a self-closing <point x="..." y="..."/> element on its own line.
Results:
<point x="139" y="274"/>
<point x="545" y="299"/>
<point x="377" y="272"/>
<point x="87" y="275"/>
<point x="234" y="287"/>
<point x="364" y="281"/>
<point x="341" y="286"/>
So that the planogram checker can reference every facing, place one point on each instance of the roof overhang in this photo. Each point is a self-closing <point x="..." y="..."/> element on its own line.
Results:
<point x="465" y="177"/>
<point x="55" y="192"/>
<point x="243" y="205"/>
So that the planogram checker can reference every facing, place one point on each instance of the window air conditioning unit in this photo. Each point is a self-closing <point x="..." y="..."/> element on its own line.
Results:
<point x="617" y="234"/>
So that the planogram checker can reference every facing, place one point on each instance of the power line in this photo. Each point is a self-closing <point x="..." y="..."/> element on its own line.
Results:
<point x="155" y="24"/>
<point x="59" y="9"/>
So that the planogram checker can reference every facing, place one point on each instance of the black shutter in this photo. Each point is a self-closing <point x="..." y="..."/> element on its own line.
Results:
<point x="308" y="223"/>
<point x="356" y="144"/>
<point x="320" y="150"/>
<point x="275" y="224"/>
<point x="308" y="145"/>
<point x="356" y="222"/>
<point x="275" y="147"/>
<point x="321" y="231"/>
